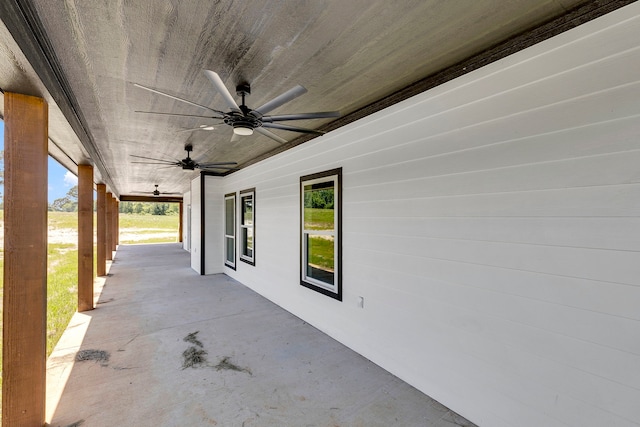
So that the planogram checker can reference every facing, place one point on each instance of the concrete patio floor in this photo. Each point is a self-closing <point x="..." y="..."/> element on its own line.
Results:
<point x="262" y="366"/>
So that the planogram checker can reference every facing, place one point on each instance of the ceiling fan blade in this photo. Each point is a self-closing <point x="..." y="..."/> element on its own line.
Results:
<point x="301" y="116"/>
<point x="292" y="128"/>
<point x="151" y="158"/>
<point x="271" y="135"/>
<point x="289" y="95"/>
<point x="168" y="192"/>
<point x="178" y="99"/>
<point x="170" y="165"/>
<point x="179" y="115"/>
<point x="204" y="127"/>
<point x="222" y="89"/>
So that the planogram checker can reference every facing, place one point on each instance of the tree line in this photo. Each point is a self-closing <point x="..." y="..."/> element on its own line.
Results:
<point x="69" y="203"/>
<point x="150" y="208"/>
<point x="319" y="199"/>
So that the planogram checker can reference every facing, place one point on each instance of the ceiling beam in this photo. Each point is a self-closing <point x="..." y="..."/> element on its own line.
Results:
<point x="156" y="199"/>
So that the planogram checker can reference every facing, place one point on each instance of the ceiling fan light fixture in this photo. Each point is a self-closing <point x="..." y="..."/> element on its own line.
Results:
<point x="242" y="130"/>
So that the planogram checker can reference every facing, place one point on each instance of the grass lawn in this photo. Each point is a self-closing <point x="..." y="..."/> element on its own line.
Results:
<point x="318" y="219"/>
<point x="62" y="289"/>
<point x="139" y="228"/>
<point x="63" y="220"/>
<point x="62" y="263"/>
<point x="321" y="254"/>
<point x="320" y="248"/>
<point x="142" y="222"/>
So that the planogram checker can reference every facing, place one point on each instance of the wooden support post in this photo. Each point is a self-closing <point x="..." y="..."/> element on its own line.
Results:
<point x="25" y="260"/>
<point x="180" y="221"/>
<point x="85" y="237"/>
<point x="109" y="227"/>
<point x="102" y="230"/>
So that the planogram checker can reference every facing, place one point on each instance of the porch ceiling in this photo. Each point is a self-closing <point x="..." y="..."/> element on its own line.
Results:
<point x="84" y="58"/>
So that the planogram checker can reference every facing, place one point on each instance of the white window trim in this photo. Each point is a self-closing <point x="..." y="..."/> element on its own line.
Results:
<point x="231" y="264"/>
<point x="243" y="194"/>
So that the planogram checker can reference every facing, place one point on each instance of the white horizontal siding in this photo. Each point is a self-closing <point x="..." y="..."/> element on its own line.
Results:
<point x="214" y="220"/>
<point x="492" y="225"/>
<point x="604" y="265"/>
<point x="196" y="220"/>
<point x="567" y="291"/>
<point x="186" y="220"/>
<point x="605" y="232"/>
<point x="603" y="201"/>
<point x="471" y="174"/>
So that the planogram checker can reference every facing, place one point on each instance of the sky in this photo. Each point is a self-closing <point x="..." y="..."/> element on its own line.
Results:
<point x="60" y="179"/>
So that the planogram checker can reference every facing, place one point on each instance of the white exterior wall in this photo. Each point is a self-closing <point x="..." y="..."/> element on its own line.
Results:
<point x="186" y="212"/>
<point x="214" y="216"/>
<point x="492" y="226"/>
<point x="196" y="237"/>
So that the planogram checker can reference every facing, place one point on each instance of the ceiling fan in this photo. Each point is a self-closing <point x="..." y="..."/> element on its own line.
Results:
<point x="245" y="120"/>
<point x="188" y="163"/>
<point x="156" y="192"/>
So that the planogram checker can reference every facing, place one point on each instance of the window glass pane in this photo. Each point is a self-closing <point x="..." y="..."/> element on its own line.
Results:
<point x="230" y="250"/>
<point x="247" y="242"/>
<point x="247" y="210"/>
<point x="320" y="257"/>
<point x="229" y="216"/>
<point x="319" y="206"/>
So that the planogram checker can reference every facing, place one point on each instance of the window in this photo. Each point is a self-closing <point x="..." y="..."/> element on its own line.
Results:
<point x="230" y="230"/>
<point x="248" y="226"/>
<point x="321" y="236"/>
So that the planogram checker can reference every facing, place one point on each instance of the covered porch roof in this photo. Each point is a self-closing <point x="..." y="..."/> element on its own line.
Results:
<point x="354" y="57"/>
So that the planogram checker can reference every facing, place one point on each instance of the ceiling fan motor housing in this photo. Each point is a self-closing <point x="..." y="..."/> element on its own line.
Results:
<point x="244" y="121"/>
<point x="188" y="163"/>
<point x="243" y="89"/>
<point x="240" y="120"/>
